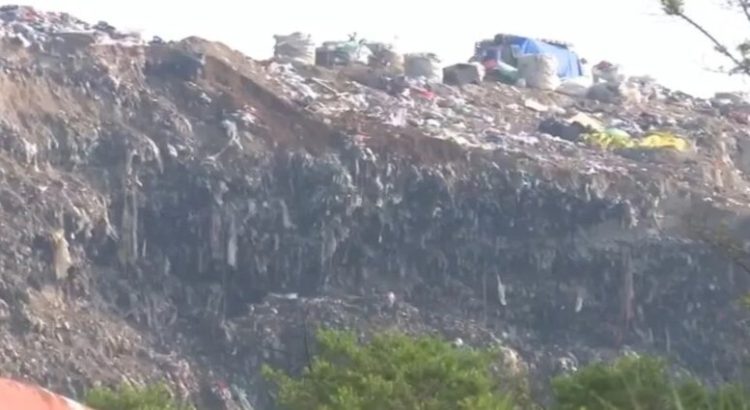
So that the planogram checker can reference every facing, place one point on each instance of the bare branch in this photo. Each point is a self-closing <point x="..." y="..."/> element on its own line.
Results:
<point x="741" y="65"/>
<point x="745" y="8"/>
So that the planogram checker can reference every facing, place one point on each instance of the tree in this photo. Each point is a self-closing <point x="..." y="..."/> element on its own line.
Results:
<point x="740" y="56"/>
<point x="395" y="372"/>
<point x="126" y="397"/>
<point x="640" y="383"/>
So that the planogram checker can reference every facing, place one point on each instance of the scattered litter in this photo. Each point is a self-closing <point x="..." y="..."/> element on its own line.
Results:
<point x="62" y="259"/>
<point x="296" y="47"/>
<point x="391" y="299"/>
<point x="587" y="121"/>
<point x="539" y="71"/>
<point x="501" y="291"/>
<point x="605" y="140"/>
<point x="575" y="87"/>
<point x="535" y="105"/>
<point x="663" y="140"/>
<point x="463" y="74"/>
<point x="423" y="65"/>
<point x="618" y="139"/>
<point x="285" y="296"/>
<point x="607" y="72"/>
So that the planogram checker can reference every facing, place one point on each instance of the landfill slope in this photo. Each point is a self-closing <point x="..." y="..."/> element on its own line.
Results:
<point x="179" y="211"/>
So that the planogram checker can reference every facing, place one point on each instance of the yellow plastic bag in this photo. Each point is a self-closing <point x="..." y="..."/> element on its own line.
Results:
<point x="663" y="140"/>
<point x="616" y="139"/>
<point x="606" y="140"/>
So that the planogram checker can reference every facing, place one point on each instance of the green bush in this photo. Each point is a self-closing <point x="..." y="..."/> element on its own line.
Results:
<point x="394" y="372"/>
<point x="640" y="383"/>
<point x="125" y="397"/>
<point x="398" y="372"/>
<point x="629" y="383"/>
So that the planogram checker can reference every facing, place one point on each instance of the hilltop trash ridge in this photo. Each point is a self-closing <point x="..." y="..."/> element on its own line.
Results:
<point x="493" y="116"/>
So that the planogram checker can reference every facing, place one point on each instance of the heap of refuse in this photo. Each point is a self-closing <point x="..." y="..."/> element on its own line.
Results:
<point x="34" y="28"/>
<point x="176" y="211"/>
<point x="542" y="79"/>
<point x="526" y="96"/>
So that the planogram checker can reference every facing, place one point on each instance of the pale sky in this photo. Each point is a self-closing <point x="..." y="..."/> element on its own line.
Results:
<point x="633" y="33"/>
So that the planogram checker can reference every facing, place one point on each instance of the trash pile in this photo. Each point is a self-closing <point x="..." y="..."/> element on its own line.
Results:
<point x="533" y="63"/>
<point x="341" y="53"/>
<point x="454" y="102"/>
<point x="593" y="132"/>
<point x="421" y="100"/>
<point x="33" y="28"/>
<point x="179" y="211"/>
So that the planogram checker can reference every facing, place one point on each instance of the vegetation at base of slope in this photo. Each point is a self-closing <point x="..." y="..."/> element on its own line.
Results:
<point x="641" y="383"/>
<point x="157" y="397"/>
<point x="398" y="372"/>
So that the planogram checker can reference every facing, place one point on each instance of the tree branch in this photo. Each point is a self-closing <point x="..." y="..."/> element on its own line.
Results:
<point x="745" y="8"/>
<point x="719" y="46"/>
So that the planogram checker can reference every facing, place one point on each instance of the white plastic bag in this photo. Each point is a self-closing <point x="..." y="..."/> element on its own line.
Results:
<point x="539" y="71"/>
<point x="631" y="92"/>
<point x="575" y="87"/>
<point x="362" y="54"/>
<point x="423" y="65"/>
<point x="608" y="73"/>
<point x="385" y="55"/>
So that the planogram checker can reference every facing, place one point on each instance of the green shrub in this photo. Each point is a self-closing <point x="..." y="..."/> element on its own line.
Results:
<point x="394" y="372"/>
<point x="640" y="383"/>
<point x="629" y="383"/>
<point x="125" y="397"/>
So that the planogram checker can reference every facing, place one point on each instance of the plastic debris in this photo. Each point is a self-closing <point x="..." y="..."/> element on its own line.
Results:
<point x="539" y="71"/>
<point x="296" y="47"/>
<point x="501" y="291"/>
<point x="62" y="259"/>
<point x="663" y="140"/>
<point x="423" y="65"/>
<point x="618" y="139"/>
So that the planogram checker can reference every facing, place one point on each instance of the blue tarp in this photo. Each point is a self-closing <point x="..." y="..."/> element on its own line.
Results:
<point x="568" y="64"/>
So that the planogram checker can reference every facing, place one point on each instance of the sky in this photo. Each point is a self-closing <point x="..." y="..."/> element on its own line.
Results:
<point x="632" y="33"/>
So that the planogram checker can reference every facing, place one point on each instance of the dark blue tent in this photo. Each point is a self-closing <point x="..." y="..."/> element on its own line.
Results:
<point x="568" y="64"/>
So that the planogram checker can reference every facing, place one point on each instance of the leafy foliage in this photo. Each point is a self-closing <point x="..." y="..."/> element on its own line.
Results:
<point x="640" y="383"/>
<point x="673" y="7"/>
<point x="628" y="383"/>
<point x="398" y="372"/>
<point x="125" y="397"/>
<point x="394" y="372"/>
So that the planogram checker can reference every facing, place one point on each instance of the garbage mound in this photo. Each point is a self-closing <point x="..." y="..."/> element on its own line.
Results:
<point x="31" y="28"/>
<point x="177" y="211"/>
